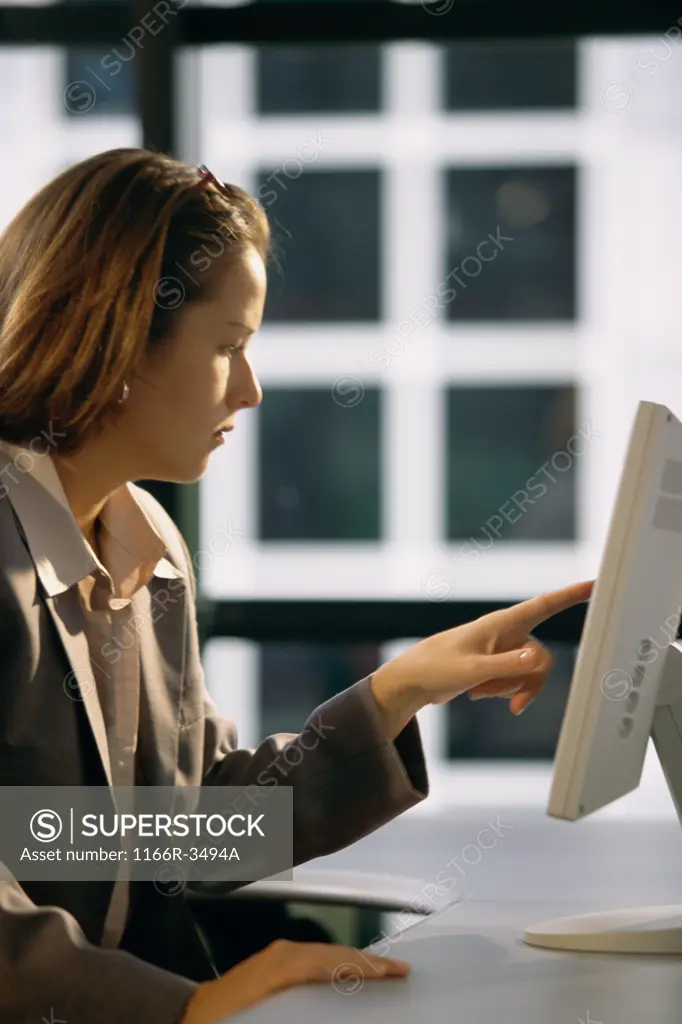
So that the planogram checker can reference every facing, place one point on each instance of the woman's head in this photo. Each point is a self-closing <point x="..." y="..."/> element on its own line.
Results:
<point x="135" y="267"/>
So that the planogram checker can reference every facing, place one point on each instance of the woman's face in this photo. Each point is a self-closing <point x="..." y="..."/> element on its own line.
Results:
<point x="179" y="399"/>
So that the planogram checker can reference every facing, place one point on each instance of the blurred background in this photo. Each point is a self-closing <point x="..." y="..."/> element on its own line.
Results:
<point x="479" y="254"/>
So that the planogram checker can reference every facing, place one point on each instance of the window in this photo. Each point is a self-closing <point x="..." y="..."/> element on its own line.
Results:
<point x="101" y="81"/>
<point x="326" y="227"/>
<point x="504" y="167"/>
<point x="511" y="471"/>
<point x="511" y="243"/>
<point x="319" y="473"/>
<point x="320" y="79"/>
<point x="510" y="75"/>
<point x="297" y="678"/>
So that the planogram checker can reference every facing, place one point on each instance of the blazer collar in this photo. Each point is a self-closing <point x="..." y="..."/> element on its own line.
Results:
<point x="61" y="553"/>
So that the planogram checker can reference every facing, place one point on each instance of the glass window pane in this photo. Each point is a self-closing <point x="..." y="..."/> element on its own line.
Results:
<point x="318" y="79"/>
<point x="326" y="227"/>
<point x="319" y="466"/>
<point x="100" y="81"/>
<point x="510" y="75"/>
<point x="296" y="678"/>
<point x="487" y="729"/>
<point x="510" y="474"/>
<point x="511" y="243"/>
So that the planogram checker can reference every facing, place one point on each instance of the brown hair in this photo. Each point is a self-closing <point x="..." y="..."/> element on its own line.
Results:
<point x="93" y="271"/>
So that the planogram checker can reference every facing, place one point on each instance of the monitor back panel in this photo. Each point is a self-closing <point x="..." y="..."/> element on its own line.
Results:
<point x="632" y="618"/>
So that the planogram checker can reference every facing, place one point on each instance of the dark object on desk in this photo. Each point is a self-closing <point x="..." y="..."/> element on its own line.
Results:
<point x="235" y="931"/>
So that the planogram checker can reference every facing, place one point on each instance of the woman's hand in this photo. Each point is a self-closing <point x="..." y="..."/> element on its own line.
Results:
<point x="493" y="656"/>
<point x="283" y="965"/>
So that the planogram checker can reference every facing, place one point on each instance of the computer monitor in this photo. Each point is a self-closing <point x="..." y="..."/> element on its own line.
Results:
<point x="627" y="684"/>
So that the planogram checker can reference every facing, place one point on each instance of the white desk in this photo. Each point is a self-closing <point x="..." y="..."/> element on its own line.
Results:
<point x="469" y="962"/>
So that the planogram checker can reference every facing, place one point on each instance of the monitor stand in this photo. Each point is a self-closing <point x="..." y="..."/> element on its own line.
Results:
<point x="656" y="929"/>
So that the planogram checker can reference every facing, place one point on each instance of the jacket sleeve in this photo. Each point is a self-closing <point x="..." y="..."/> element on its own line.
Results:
<point x="349" y="776"/>
<point x="49" y="970"/>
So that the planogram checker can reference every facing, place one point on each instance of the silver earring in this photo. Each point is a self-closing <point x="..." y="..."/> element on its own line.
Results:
<point x="126" y="392"/>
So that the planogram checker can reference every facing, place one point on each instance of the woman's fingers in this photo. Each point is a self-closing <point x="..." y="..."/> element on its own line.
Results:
<point x="495" y="688"/>
<point x="529" y="614"/>
<point x="526" y="695"/>
<point x="519" y="696"/>
<point x="502" y="672"/>
<point x="522" y="689"/>
<point x="347" y="967"/>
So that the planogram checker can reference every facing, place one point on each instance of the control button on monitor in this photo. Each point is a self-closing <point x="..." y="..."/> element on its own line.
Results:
<point x="625" y="727"/>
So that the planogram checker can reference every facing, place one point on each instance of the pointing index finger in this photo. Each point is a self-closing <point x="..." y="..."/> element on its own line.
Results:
<point x="528" y="614"/>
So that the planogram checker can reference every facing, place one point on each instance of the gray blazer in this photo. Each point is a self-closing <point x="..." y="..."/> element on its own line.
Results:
<point x="346" y="787"/>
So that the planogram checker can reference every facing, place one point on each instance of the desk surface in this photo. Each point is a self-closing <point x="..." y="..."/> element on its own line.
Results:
<point x="469" y="962"/>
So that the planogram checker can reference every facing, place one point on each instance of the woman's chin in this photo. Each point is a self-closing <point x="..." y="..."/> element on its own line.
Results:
<point x="189" y="471"/>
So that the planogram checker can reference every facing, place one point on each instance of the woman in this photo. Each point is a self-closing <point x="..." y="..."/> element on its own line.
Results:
<point x="130" y="289"/>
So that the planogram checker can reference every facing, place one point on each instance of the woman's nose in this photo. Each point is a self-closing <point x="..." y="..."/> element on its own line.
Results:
<point x="250" y="393"/>
<point x="256" y="393"/>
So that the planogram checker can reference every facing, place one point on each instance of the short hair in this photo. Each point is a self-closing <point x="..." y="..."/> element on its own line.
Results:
<point x="94" y="270"/>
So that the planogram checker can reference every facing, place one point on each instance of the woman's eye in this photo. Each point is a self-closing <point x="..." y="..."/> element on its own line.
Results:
<point x="230" y="349"/>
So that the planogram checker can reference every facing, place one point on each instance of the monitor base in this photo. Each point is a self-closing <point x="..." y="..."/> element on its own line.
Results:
<point x="636" y="930"/>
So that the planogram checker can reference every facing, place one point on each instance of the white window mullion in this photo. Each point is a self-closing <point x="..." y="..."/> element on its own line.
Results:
<point x="410" y="264"/>
<point x="412" y="422"/>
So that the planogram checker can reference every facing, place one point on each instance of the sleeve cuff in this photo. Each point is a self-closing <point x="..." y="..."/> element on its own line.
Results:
<point x="353" y="725"/>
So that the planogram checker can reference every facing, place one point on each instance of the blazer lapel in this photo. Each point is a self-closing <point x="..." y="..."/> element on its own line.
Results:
<point x="79" y="683"/>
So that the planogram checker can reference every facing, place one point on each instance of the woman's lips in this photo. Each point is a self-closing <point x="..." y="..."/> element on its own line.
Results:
<point x="219" y="435"/>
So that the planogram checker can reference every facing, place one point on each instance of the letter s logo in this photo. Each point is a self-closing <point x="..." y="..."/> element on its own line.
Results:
<point x="46" y="826"/>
